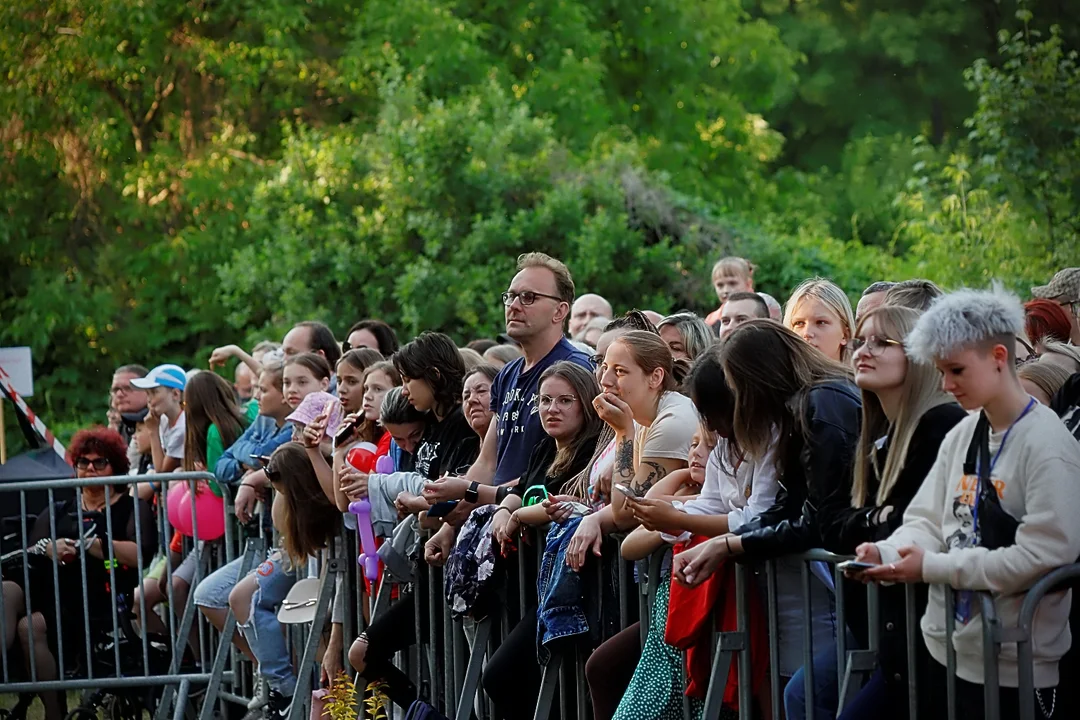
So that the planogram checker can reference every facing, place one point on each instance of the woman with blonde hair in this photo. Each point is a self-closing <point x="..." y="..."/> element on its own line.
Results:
<point x="905" y="417"/>
<point x="820" y="313"/>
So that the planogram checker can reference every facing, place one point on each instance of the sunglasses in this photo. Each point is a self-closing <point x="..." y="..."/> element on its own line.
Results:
<point x="85" y="463"/>
<point x="272" y="474"/>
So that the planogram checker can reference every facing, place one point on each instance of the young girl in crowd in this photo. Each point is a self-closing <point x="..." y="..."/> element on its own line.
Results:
<point x="432" y="373"/>
<point x="571" y="424"/>
<point x="305" y="373"/>
<point x="803" y="408"/>
<point x="995" y="513"/>
<point x="686" y="335"/>
<point x="213" y="422"/>
<point x="730" y="275"/>
<point x="905" y="417"/>
<point x="820" y="313"/>
<point x="308" y="522"/>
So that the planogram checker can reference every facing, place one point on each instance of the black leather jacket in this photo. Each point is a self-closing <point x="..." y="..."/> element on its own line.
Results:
<point x="819" y="462"/>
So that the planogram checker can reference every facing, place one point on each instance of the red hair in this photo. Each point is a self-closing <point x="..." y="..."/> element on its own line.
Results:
<point x="103" y="441"/>
<point x="1046" y="320"/>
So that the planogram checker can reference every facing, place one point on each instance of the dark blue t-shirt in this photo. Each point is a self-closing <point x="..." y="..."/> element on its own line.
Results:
<point x="517" y="415"/>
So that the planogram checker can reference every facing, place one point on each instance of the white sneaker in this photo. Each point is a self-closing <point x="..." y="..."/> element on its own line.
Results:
<point x="259" y="696"/>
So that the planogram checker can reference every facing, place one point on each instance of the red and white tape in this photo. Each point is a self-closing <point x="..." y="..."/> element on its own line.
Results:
<point x="5" y="380"/>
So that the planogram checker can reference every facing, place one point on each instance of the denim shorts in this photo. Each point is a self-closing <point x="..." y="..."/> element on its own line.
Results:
<point x="213" y="591"/>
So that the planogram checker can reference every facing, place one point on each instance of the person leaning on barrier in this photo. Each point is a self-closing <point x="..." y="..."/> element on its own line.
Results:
<point x="567" y="390"/>
<point x="432" y="373"/>
<point x="810" y="404"/>
<point x="96" y="452"/>
<point x="997" y="511"/>
<point x="905" y="417"/>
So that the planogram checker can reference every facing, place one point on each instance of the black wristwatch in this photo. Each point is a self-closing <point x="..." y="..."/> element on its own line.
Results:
<point x="472" y="495"/>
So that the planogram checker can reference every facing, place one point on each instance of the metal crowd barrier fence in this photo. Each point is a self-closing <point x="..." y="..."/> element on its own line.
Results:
<point x="443" y="666"/>
<point x="99" y="602"/>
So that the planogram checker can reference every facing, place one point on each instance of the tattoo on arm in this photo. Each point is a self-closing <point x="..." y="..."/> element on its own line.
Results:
<point x="656" y="473"/>
<point x="624" y="461"/>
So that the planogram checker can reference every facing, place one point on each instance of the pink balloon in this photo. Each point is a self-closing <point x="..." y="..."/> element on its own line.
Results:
<point x="183" y="512"/>
<point x="210" y="512"/>
<point x="177" y="493"/>
<point x="209" y="509"/>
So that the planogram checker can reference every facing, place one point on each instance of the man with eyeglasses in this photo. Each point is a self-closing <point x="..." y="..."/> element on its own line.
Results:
<point x="537" y="305"/>
<point x="1064" y="289"/>
<point x="127" y="403"/>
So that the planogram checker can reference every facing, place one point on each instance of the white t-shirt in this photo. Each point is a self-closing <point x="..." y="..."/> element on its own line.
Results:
<point x="172" y="436"/>
<point x="671" y="432"/>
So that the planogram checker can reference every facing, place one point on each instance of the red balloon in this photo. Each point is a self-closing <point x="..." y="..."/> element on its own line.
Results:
<point x="362" y="457"/>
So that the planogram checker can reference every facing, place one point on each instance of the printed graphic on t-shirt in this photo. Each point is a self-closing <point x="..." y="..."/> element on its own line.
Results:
<point x="426" y="454"/>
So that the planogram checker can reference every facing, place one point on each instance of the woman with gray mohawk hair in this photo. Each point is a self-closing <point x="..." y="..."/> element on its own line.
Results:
<point x="996" y="512"/>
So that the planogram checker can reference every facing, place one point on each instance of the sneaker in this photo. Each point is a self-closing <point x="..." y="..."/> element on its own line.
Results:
<point x="258" y="695"/>
<point x="277" y="706"/>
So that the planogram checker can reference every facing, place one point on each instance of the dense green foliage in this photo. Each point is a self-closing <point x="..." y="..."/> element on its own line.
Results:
<point x="178" y="175"/>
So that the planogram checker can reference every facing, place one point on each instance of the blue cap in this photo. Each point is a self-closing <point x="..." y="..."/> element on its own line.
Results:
<point x="170" y="376"/>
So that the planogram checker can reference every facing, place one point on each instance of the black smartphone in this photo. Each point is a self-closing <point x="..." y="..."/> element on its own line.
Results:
<point x="346" y="432"/>
<point x="441" y="509"/>
<point x="262" y="460"/>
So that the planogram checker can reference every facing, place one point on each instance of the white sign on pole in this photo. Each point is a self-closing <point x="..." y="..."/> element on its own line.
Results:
<point x="16" y="363"/>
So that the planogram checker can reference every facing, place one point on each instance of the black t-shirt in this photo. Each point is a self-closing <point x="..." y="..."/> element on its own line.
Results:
<point x="543" y="454"/>
<point x="94" y="525"/>
<point x="449" y="447"/>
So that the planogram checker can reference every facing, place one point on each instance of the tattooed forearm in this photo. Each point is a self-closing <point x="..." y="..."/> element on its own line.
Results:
<point x="656" y="473"/>
<point x="624" y="461"/>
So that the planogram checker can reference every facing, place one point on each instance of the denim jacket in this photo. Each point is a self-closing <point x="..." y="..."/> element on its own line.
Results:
<point x="568" y="600"/>
<point x="262" y="437"/>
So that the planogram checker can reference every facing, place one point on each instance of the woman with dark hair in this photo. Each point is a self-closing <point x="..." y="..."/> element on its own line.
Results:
<point x="801" y="407"/>
<point x="432" y="374"/>
<point x="571" y="426"/>
<point x="97" y="452"/>
<point x="352" y="370"/>
<point x="214" y="422"/>
<point x="476" y="398"/>
<point x="308" y="523"/>
<point x="374" y="334"/>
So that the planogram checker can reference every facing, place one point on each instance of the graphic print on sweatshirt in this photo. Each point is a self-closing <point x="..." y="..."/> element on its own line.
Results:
<point x="426" y="455"/>
<point x="964" y="496"/>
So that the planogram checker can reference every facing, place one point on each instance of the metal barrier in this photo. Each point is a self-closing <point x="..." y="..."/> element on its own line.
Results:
<point x="113" y="658"/>
<point x="442" y="665"/>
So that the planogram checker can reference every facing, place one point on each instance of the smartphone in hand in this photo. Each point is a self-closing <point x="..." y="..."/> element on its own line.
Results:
<point x="627" y="491"/>
<point x="854" y="566"/>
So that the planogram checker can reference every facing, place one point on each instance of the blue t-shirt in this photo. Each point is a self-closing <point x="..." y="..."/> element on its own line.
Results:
<point x="516" y="413"/>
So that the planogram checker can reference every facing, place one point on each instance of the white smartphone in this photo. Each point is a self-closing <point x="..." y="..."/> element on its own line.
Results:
<point x="628" y="492"/>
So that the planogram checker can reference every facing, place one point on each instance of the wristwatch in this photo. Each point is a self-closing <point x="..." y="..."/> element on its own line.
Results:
<point x="472" y="495"/>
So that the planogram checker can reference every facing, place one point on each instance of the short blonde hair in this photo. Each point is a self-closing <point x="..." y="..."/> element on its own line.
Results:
<point x="833" y="297"/>
<point x="733" y="266"/>
<point x="564" y="282"/>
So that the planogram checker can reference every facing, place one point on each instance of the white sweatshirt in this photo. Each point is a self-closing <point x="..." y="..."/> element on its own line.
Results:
<point x="1037" y="477"/>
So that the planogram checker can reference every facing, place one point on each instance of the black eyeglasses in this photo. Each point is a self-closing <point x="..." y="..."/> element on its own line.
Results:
<point x="85" y="463"/>
<point x="597" y="360"/>
<point x="527" y="297"/>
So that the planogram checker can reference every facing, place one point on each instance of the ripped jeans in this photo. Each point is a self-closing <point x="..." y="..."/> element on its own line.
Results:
<point x="262" y="630"/>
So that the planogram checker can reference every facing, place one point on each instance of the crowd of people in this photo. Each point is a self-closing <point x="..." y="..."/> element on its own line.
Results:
<point x="933" y="436"/>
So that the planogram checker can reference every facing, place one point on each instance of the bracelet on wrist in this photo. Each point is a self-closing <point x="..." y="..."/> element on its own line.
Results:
<point x="727" y="543"/>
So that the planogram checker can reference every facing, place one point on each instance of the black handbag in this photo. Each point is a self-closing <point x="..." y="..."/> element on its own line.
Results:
<point x="996" y="528"/>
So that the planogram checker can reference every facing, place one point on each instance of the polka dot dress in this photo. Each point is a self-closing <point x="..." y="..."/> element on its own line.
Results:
<point x="656" y="690"/>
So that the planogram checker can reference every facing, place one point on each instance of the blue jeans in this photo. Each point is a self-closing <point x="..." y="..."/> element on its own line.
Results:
<point x="213" y="591"/>
<point x="826" y="688"/>
<point x="262" y="630"/>
<point x="870" y="701"/>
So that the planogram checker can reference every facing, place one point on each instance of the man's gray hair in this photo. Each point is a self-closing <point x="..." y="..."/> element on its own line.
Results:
<point x="961" y="319"/>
